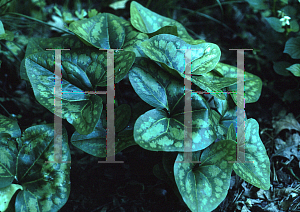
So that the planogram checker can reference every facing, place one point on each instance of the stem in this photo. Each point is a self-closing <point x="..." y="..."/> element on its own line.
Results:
<point x="5" y="109"/>
<point x="148" y="3"/>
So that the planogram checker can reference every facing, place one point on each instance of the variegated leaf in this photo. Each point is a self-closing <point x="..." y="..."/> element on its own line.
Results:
<point x="203" y="186"/>
<point x="171" y="51"/>
<point x="256" y="170"/>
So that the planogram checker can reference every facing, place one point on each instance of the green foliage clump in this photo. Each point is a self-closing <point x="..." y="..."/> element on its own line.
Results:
<point x="151" y="50"/>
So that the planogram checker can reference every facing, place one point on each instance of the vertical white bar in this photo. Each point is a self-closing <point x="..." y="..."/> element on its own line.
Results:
<point x="187" y="157"/>
<point x="240" y="108"/>
<point x="110" y="139"/>
<point x="57" y="110"/>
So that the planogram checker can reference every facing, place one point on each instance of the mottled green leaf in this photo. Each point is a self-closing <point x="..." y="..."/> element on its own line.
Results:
<point x="74" y="74"/>
<point x="170" y="50"/>
<point x="149" y="82"/>
<point x="252" y="83"/>
<point x="103" y="31"/>
<point x="147" y="21"/>
<point x="10" y="126"/>
<point x="225" y="116"/>
<point x="220" y="129"/>
<point x="204" y="186"/>
<point x="171" y="71"/>
<point x="225" y="105"/>
<point x="26" y="202"/>
<point x="46" y="185"/>
<point x="157" y="130"/>
<point x="8" y="158"/>
<point x="133" y="38"/>
<point x="256" y="170"/>
<point x="231" y="133"/>
<point x="95" y="142"/>
<point x="92" y="66"/>
<point x="79" y="109"/>
<point x="41" y="44"/>
<point x="211" y="82"/>
<point x="123" y="61"/>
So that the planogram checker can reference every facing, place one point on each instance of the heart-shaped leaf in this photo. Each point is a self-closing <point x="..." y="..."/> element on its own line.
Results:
<point x="103" y="31"/>
<point x="82" y="70"/>
<point x="204" y="186"/>
<point x="256" y="170"/>
<point x="292" y="47"/>
<point x="75" y="104"/>
<point x="147" y="21"/>
<point x="157" y="130"/>
<point x="46" y="186"/>
<point x="170" y="50"/>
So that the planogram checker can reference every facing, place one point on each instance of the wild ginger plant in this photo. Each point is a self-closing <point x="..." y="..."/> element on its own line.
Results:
<point x="149" y="50"/>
